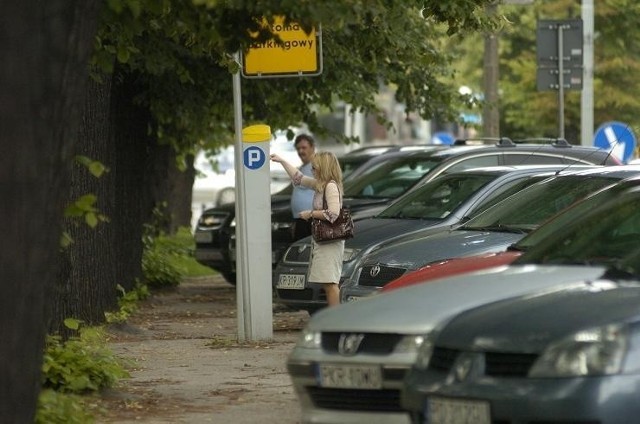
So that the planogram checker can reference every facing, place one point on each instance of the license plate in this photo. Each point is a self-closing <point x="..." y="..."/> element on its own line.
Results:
<point x="291" y="281"/>
<point x="350" y="376"/>
<point x="457" y="411"/>
<point x="203" y="237"/>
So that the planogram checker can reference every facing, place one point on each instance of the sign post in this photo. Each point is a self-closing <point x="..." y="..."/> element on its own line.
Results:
<point x="298" y="54"/>
<point x="559" y="51"/>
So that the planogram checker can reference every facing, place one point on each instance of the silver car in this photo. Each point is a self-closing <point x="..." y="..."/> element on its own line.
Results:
<point x="494" y="230"/>
<point x="563" y="356"/>
<point x="351" y="360"/>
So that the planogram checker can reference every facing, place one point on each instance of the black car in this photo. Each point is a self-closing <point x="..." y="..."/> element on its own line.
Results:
<point x="388" y="176"/>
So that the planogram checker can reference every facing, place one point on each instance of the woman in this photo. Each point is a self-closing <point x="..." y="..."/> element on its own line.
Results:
<point x="325" y="265"/>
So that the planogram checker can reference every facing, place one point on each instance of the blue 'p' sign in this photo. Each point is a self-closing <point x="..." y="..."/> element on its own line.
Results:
<point x="254" y="157"/>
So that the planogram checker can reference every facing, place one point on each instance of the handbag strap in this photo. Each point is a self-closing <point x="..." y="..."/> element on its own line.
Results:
<point x="324" y="195"/>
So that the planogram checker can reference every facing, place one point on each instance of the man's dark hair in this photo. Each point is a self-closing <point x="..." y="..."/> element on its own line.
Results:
<point x="301" y="137"/>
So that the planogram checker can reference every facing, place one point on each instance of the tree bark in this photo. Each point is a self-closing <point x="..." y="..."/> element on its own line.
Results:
<point x="133" y="204"/>
<point x="44" y="52"/>
<point x="86" y="286"/>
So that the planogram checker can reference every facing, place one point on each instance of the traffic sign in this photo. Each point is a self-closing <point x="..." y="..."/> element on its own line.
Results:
<point x="299" y="54"/>
<point x="555" y="38"/>
<point x="254" y="157"/>
<point x="616" y="137"/>
<point x="442" y="138"/>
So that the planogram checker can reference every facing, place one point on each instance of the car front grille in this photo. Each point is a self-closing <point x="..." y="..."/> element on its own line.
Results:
<point x="355" y="399"/>
<point x="378" y="275"/>
<point x="496" y="364"/>
<point x="297" y="254"/>
<point x="508" y="364"/>
<point x="372" y="343"/>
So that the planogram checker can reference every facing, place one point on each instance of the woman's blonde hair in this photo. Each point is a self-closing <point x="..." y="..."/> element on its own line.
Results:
<point x="327" y="169"/>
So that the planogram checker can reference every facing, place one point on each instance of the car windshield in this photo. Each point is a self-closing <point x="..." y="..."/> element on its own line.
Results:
<point x="527" y="209"/>
<point x="390" y="179"/>
<point x="438" y="198"/>
<point x="557" y="222"/>
<point x="603" y="236"/>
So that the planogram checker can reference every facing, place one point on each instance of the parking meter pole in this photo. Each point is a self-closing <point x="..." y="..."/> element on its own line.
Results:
<point x="256" y="216"/>
<point x="241" y="263"/>
<point x="560" y="82"/>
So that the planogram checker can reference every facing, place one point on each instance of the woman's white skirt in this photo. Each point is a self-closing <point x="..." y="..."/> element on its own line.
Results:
<point x="326" y="262"/>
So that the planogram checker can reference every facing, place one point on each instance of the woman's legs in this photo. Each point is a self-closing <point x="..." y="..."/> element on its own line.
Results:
<point x="333" y="293"/>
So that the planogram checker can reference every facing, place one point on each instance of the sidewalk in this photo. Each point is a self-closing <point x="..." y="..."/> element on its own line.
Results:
<point x="187" y="366"/>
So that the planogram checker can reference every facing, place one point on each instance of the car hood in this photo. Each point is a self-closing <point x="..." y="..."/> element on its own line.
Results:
<point x="415" y="253"/>
<point x="530" y="323"/>
<point x="419" y="308"/>
<point x="356" y="204"/>
<point x="378" y="230"/>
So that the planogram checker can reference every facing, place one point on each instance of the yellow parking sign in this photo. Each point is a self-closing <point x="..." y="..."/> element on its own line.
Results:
<point x="300" y="54"/>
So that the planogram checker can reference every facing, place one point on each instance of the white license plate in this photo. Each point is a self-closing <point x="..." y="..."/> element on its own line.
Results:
<point x="203" y="237"/>
<point x="457" y="411"/>
<point x="291" y="281"/>
<point x="350" y="376"/>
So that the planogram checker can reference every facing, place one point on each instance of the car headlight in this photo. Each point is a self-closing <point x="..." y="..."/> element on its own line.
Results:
<point x="597" y="351"/>
<point x="349" y="254"/>
<point x="409" y="344"/>
<point x="233" y="223"/>
<point x="424" y="352"/>
<point x="310" y="339"/>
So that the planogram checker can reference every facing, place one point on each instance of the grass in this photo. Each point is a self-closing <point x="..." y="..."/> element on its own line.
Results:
<point x="184" y="240"/>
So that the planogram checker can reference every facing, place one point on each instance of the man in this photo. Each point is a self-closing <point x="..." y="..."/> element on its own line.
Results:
<point x="302" y="197"/>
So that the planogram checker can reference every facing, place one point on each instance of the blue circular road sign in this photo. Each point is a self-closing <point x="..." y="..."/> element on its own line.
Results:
<point x="616" y="137"/>
<point x="442" y="138"/>
<point x="254" y="157"/>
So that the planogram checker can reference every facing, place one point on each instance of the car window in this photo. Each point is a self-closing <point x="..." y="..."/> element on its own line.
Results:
<point x="389" y="179"/>
<point x="438" y="198"/>
<point x="526" y="209"/>
<point x="506" y="190"/>
<point x="474" y="162"/>
<point x="513" y="158"/>
<point x="615" y="225"/>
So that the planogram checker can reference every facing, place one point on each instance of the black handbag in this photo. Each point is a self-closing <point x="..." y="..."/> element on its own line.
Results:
<point x="340" y="229"/>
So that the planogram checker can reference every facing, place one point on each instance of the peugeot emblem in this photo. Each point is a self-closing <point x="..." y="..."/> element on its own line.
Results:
<point x="375" y="270"/>
<point x="302" y="248"/>
<point x="348" y="344"/>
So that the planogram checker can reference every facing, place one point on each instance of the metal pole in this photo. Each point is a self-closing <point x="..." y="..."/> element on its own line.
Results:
<point x="586" y="99"/>
<point x="491" y="111"/>
<point x="242" y="280"/>
<point x="560" y="82"/>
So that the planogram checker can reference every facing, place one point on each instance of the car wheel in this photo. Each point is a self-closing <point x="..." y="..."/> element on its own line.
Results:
<point x="228" y="195"/>
<point x="230" y="277"/>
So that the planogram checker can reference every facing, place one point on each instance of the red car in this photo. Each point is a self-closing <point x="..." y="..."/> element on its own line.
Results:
<point x="453" y="266"/>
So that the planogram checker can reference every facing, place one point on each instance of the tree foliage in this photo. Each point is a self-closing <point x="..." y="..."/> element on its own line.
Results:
<point x="527" y="112"/>
<point x="183" y="53"/>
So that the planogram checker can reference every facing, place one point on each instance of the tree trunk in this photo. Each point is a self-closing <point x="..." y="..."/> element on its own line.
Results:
<point x="133" y="204"/>
<point x="87" y="284"/>
<point x="171" y="188"/>
<point x="45" y="49"/>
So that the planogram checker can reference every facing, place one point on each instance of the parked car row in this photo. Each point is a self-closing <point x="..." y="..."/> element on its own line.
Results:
<point x="548" y="337"/>
<point x="374" y="179"/>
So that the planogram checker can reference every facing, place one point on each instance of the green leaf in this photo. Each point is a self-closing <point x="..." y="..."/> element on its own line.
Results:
<point x="91" y="219"/>
<point x="72" y="323"/>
